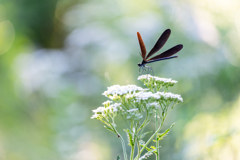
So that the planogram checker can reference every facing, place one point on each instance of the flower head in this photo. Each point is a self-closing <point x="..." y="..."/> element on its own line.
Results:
<point x="170" y="96"/>
<point x="156" y="82"/>
<point x="120" y="90"/>
<point x="107" y="102"/>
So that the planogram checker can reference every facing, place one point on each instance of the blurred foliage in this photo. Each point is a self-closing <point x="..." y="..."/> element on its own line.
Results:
<point x="57" y="57"/>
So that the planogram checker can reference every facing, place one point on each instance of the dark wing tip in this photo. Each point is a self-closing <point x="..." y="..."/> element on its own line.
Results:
<point x="180" y="46"/>
<point x="167" y="31"/>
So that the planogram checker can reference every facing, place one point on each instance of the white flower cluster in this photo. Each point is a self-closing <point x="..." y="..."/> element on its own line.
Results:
<point x="132" y="110"/>
<point x="108" y="108"/>
<point x="134" y="114"/>
<point x="146" y="95"/>
<point x="120" y="90"/>
<point x="170" y="95"/>
<point x="157" y="79"/>
<point x="107" y="102"/>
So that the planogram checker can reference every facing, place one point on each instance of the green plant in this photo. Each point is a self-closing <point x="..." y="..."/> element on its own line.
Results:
<point x="138" y="107"/>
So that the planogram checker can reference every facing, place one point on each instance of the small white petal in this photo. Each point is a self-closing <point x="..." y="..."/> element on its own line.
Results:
<point x="94" y="116"/>
<point x="132" y="110"/>
<point x="99" y="109"/>
<point x="107" y="102"/>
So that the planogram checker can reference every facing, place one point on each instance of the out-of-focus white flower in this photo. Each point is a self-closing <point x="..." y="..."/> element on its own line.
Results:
<point x="117" y="104"/>
<point x="156" y="79"/>
<point x="155" y="104"/>
<point x="165" y="80"/>
<point x="146" y="95"/>
<point x="170" y="95"/>
<point x="115" y="107"/>
<point x="113" y="97"/>
<point x="147" y="76"/>
<point x="99" y="110"/>
<point x="107" y="102"/>
<point x="132" y="110"/>
<point x="129" y="96"/>
<point x="112" y="109"/>
<point x="139" y="116"/>
<point x="95" y="116"/>
<point x="120" y="90"/>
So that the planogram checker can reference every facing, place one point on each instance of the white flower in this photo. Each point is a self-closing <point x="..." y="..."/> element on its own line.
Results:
<point x="112" y="109"/>
<point x="107" y="102"/>
<point x="128" y="96"/>
<point x="147" y="76"/>
<point x="113" y="97"/>
<point x="165" y="80"/>
<point x="170" y="95"/>
<point x="120" y="90"/>
<point x="173" y="81"/>
<point x="99" y="110"/>
<point x="146" y="95"/>
<point x="139" y="116"/>
<point x="157" y="79"/>
<point x="116" y="107"/>
<point x="117" y="104"/>
<point x="156" y="96"/>
<point x="132" y="110"/>
<point x="155" y="104"/>
<point x="94" y="116"/>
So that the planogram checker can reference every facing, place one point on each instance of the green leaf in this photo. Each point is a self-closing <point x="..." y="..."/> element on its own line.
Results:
<point x="154" y="149"/>
<point x="144" y="134"/>
<point x="160" y="136"/>
<point x="110" y="129"/>
<point x="118" y="157"/>
<point x="149" y="153"/>
<point x="130" y="137"/>
<point x="148" y="149"/>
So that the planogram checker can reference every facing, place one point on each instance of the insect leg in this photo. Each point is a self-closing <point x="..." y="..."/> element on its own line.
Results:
<point x="141" y="70"/>
<point x="149" y="69"/>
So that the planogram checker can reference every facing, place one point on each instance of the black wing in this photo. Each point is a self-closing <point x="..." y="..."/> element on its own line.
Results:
<point x="142" y="46"/>
<point x="160" y="43"/>
<point x="168" y="53"/>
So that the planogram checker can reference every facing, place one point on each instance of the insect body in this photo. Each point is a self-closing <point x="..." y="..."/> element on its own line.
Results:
<point x="163" y="56"/>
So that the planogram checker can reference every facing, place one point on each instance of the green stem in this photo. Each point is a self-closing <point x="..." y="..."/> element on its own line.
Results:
<point x="143" y="124"/>
<point x="138" y="146"/>
<point x="156" y="126"/>
<point x="132" y="152"/>
<point x="151" y="138"/>
<point x="122" y="141"/>
<point x="123" y="146"/>
<point x="133" y="146"/>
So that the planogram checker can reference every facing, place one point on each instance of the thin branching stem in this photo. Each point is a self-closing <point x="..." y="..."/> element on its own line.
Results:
<point x="156" y="126"/>
<point x="151" y="138"/>
<point x="122" y="141"/>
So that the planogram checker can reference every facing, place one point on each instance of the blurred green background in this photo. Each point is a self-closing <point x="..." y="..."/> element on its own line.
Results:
<point x="58" y="56"/>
